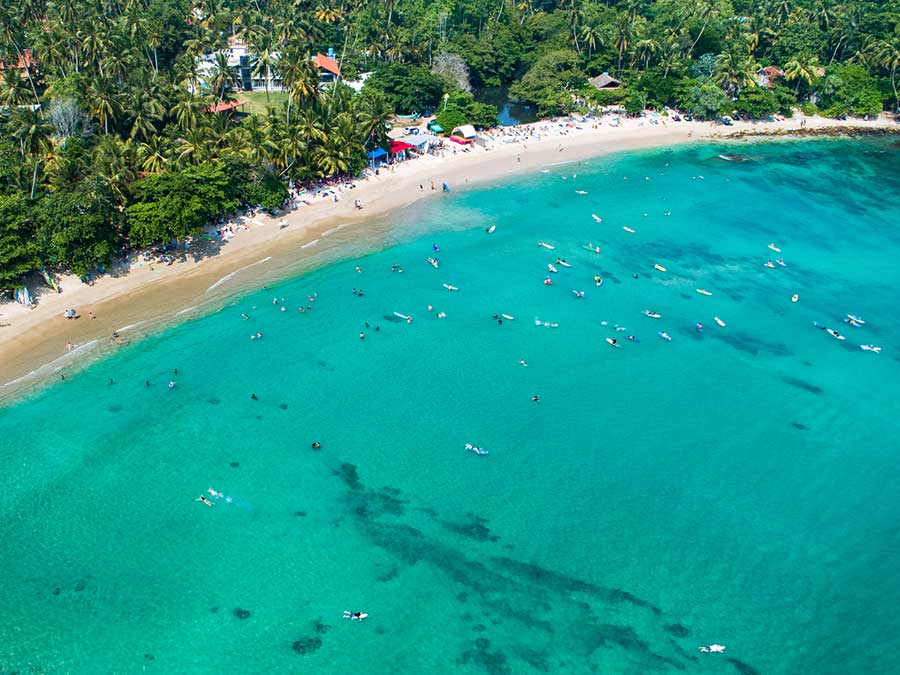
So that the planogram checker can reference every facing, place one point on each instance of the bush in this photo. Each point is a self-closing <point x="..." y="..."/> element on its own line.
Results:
<point x="408" y="89"/>
<point x="809" y="109"/>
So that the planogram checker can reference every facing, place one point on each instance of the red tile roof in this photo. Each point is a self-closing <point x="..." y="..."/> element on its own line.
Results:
<point x="24" y="61"/>
<point x="225" y="106"/>
<point x="327" y="63"/>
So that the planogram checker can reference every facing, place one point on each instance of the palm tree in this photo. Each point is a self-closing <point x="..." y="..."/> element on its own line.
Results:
<point x="103" y="104"/>
<point x="194" y="146"/>
<point x="13" y="90"/>
<point x="734" y="71"/>
<point x="223" y="77"/>
<point x="266" y="61"/>
<point x="802" y="68"/>
<point x="622" y="37"/>
<point x="592" y="37"/>
<point x="704" y="11"/>
<point x="887" y="54"/>
<point x="373" y="117"/>
<point x="153" y="154"/>
<point x="146" y="112"/>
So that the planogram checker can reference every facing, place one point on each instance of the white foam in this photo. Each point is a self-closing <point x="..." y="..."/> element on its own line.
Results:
<point x="310" y="243"/>
<point x="228" y="277"/>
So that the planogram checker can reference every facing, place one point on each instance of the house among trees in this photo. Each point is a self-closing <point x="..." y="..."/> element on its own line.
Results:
<point x="605" y="81"/>
<point x="329" y="70"/>
<point x="24" y="63"/>
<point x="765" y="77"/>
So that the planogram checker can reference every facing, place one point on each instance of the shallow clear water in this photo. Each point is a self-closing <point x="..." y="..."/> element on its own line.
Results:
<point x="734" y="486"/>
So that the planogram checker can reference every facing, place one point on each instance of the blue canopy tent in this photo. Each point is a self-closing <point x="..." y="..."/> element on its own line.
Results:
<point x="376" y="154"/>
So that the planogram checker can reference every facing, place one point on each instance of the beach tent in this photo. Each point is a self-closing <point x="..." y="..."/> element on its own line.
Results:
<point x="400" y="146"/>
<point x="466" y="131"/>
<point x="375" y="156"/>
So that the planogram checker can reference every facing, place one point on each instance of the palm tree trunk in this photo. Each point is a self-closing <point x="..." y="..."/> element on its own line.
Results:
<point x="34" y="177"/>
<point x="27" y="72"/>
<point x="691" y="50"/>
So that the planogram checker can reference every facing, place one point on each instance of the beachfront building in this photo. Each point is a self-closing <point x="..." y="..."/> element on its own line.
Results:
<point x="765" y="77"/>
<point x="242" y="61"/>
<point x="605" y="81"/>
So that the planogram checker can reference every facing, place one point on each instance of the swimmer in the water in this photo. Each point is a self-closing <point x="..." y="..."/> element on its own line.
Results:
<point x="316" y="445"/>
<point x="203" y="499"/>
<point x="244" y="316"/>
<point x="171" y="384"/>
<point x="362" y="336"/>
<point x="535" y="398"/>
<point x="522" y="363"/>
<point x="254" y="397"/>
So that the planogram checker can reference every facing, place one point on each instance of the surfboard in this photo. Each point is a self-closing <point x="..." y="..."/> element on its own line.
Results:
<point x="508" y="317"/>
<point x="660" y="268"/>
<point x="612" y="343"/>
<point x="703" y="291"/>
<point x="719" y="321"/>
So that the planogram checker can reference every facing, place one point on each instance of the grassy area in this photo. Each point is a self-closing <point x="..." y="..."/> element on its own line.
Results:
<point x="256" y="100"/>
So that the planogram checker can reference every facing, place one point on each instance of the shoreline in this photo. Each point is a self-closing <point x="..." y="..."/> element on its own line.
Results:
<point x="33" y="343"/>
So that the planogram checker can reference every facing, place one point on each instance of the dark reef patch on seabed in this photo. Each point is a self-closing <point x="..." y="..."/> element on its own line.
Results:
<point x="752" y="345"/>
<point x="560" y="614"/>
<point x="742" y="667"/>
<point x="803" y="384"/>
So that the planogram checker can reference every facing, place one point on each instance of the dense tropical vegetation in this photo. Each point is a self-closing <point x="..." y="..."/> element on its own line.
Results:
<point x="106" y="141"/>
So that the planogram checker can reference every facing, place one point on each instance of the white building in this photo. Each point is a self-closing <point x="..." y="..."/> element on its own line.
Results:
<point x="243" y="62"/>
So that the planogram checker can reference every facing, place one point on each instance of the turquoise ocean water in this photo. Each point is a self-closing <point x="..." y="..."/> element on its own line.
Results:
<point x="736" y="486"/>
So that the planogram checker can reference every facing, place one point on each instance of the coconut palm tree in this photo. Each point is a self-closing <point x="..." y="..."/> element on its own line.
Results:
<point x="802" y="68"/>
<point x="266" y="62"/>
<point x="734" y="71"/>
<point x="223" y="79"/>
<point x="153" y="154"/>
<point x="593" y="37"/>
<point x="887" y="55"/>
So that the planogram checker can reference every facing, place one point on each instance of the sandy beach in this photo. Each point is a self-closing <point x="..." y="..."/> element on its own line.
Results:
<point x="38" y="343"/>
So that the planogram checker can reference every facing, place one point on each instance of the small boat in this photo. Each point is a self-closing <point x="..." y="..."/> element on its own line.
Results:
<point x="770" y="264"/>
<point x="613" y="343"/>
<point x="596" y="217"/>
<point x="433" y="262"/>
<point x="476" y="450"/>
<point x="627" y="229"/>
<point x="857" y="319"/>
<point x="795" y="297"/>
<point x="578" y="294"/>
<point x="703" y="291"/>
<point x="552" y="268"/>
<point x="660" y="268"/>
<point x="774" y="248"/>
<point x="870" y="348"/>
<point x="548" y="282"/>
<point x="665" y="336"/>
<point x="652" y="315"/>
<point x="719" y="321"/>
<point x="450" y="287"/>
<point x="712" y="649"/>
<point x="491" y="229"/>
<point x="508" y="317"/>
<point x="580" y="192"/>
<point x="562" y="262"/>
<point x="781" y="262"/>
<point x="591" y="247"/>
<point x="546" y="245"/>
